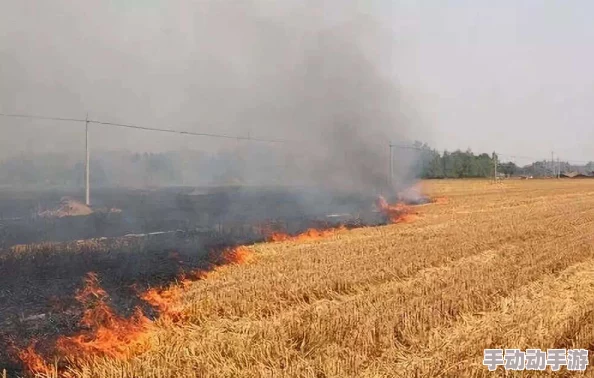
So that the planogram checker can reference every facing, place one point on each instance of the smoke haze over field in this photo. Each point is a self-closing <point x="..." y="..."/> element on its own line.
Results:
<point x="315" y="72"/>
<point x="507" y="76"/>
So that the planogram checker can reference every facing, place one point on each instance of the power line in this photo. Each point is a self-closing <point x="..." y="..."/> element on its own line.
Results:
<point x="41" y="117"/>
<point x="222" y="136"/>
<point x="138" y="127"/>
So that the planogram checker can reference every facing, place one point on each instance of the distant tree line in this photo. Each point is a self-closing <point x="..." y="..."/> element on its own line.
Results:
<point x="431" y="164"/>
<point x="456" y="164"/>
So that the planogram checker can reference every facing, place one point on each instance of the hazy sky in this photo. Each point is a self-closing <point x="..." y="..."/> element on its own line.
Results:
<point x="508" y="76"/>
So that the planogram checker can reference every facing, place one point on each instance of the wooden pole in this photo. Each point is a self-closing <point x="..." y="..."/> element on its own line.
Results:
<point x="87" y="165"/>
<point x="391" y="174"/>
<point x="494" y="166"/>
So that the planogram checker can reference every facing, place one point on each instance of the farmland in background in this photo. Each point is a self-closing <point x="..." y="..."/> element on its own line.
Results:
<point x="505" y="265"/>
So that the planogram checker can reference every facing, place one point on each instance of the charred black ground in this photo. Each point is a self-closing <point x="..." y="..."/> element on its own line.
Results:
<point x="189" y="226"/>
<point x="229" y="209"/>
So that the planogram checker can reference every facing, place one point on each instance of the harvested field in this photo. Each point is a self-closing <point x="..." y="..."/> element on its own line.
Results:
<point x="506" y="265"/>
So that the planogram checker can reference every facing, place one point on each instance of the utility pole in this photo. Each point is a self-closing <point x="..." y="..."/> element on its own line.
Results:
<point x="87" y="165"/>
<point x="391" y="173"/>
<point x="558" y="168"/>
<point x="494" y="166"/>
<point x="445" y="174"/>
<point x="552" y="164"/>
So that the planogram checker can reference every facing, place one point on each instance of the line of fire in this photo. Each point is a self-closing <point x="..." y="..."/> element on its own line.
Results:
<point x="91" y="292"/>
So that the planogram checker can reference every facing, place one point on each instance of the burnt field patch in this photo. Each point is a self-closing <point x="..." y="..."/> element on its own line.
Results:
<point x="42" y="285"/>
<point x="39" y="283"/>
<point x="146" y="211"/>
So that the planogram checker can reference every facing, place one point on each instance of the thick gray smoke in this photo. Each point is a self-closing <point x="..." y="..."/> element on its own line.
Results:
<point x="327" y="86"/>
<point x="317" y="74"/>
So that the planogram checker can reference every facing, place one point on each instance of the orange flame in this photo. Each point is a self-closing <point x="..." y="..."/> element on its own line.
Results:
<point x="309" y="235"/>
<point x="106" y="333"/>
<point x="164" y="299"/>
<point x="33" y="361"/>
<point x="236" y="255"/>
<point x="398" y="213"/>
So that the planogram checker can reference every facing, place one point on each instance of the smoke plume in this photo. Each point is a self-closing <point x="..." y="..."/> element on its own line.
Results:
<point x="317" y="75"/>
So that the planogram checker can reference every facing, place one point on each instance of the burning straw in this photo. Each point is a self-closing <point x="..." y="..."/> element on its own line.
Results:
<point x="105" y="333"/>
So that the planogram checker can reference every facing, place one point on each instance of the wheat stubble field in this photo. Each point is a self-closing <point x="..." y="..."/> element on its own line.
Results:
<point x="496" y="265"/>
